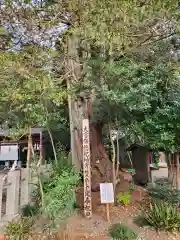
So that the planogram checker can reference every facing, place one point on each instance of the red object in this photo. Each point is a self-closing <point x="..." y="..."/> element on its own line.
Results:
<point x="3" y="238"/>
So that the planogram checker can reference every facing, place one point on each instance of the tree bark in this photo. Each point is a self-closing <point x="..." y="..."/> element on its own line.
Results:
<point x="115" y="158"/>
<point x="79" y="109"/>
<point x="177" y="172"/>
<point x="53" y="146"/>
<point x="73" y="75"/>
<point x="73" y="117"/>
<point x="170" y="167"/>
<point x="101" y="165"/>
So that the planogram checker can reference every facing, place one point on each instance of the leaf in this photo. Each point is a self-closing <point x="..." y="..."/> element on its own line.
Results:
<point x="3" y="32"/>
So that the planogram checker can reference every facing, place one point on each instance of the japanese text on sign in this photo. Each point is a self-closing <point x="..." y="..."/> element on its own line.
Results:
<point x="87" y="169"/>
<point x="107" y="193"/>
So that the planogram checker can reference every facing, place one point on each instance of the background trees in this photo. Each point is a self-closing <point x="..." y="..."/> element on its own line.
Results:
<point x="111" y="65"/>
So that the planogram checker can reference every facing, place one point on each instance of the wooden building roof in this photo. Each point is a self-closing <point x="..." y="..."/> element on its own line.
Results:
<point x="137" y="145"/>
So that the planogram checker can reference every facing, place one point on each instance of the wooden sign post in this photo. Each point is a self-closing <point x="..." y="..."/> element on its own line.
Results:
<point x="107" y="196"/>
<point x="87" y="169"/>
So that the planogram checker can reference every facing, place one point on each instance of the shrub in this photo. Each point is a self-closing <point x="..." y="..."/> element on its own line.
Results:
<point x="124" y="198"/>
<point x="63" y="164"/>
<point x="119" y="231"/>
<point x="132" y="188"/>
<point x="59" y="200"/>
<point x="16" y="230"/>
<point x="56" y="198"/>
<point x="162" y="216"/>
<point x="163" y="191"/>
<point x="29" y="210"/>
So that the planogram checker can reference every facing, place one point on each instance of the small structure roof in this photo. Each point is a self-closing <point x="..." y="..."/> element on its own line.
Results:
<point x="6" y="132"/>
<point x="136" y="145"/>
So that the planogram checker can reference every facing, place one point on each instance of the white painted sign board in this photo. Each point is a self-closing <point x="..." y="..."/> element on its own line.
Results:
<point x="107" y="193"/>
<point x="8" y="152"/>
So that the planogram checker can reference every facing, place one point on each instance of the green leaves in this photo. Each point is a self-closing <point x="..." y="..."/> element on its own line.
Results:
<point x="3" y="32"/>
<point x="143" y="96"/>
<point x="124" y="198"/>
<point x="59" y="200"/>
<point x="120" y="231"/>
<point x="162" y="216"/>
<point x="28" y="93"/>
<point x="165" y="192"/>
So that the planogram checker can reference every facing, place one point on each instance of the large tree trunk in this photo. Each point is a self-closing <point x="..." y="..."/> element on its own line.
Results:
<point x="101" y="166"/>
<point x="100" y="163"/>
<point x="173" y="170"/>
<point x="169" y="161"/>
<point x="177" y="172"/>
<point x="75" y="111"/>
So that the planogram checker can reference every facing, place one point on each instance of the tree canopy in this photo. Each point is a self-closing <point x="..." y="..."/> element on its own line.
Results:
<point x="29" y="94"/>
<point x="123" y="54"/>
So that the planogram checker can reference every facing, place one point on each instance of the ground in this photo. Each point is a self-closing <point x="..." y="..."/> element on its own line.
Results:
<point x="80" y="228"/>
<point x="96" y="228"/>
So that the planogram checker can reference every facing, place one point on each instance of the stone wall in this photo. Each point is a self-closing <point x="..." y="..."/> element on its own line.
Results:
<point x="16" y="190"/>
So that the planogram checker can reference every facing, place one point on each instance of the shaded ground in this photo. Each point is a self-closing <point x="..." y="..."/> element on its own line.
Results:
<point x="80" y="228"/>
<point x="97" y="227"/>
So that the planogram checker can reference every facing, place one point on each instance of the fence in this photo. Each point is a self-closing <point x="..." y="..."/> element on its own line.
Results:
<point x="16" y="189"/>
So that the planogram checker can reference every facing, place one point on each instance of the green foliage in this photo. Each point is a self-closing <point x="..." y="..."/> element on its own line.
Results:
<point x="156" y="155"/>
<point x="29" y="210"/>
<point x="3" y="31"/>
<point x="29" y="94"/>
<point x="143" y="96"/>
<point x="132" y="187"/>
<point x="59" y="200"/>
<point x="109" y="32"/>
<point x="118" y="25"/>
<point x="165" y="192"/>
<point x="162" y="216"/>
<point x="124" y="198"/>
<point x="120" y="231"/>
<point x="16" y="230"/>
<point x="63" y="163"/>
<point x="58" y="192"/>
<point x="132" y="171"/>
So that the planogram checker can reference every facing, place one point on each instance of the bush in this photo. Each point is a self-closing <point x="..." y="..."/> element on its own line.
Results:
<point x="124" y="198"/>
<point x="63" y="164"/>
<point x="59" y="201"/>
<point x="162" y="216"/>
<point x="56" y="199"/>
<point x="29" y="210"/>
<point x="119" y="231"/>
<point x="132" y="188"/>
<point x="16" y="230"/>
<point x="163" y="191"/>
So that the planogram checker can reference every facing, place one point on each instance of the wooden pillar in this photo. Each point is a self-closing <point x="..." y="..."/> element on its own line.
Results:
<point x="1" y="191"/>
<point x="29" y="149"/>
<point x="13" y="192"/>
<point x="87" y="170"/>
<point x="41" y="155"/>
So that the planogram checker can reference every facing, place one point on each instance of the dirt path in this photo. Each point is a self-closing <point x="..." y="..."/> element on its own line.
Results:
<point x="80" y="228"/>
<point x="97" y="227"/>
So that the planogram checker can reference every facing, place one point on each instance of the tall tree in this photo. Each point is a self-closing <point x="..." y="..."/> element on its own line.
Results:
<point x="110" y="28"/>
<point x="29" y="95"/>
